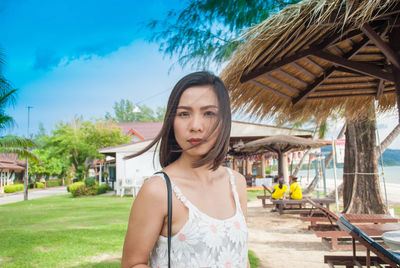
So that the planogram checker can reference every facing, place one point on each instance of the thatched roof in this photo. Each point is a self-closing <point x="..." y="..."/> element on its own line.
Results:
<point x="315" y="58"/>
<point x="281" y="144"/>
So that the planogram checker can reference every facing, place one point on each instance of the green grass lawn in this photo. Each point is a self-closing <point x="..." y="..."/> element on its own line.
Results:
<point x="61" y="231"/>
<point x="252" y="194"/>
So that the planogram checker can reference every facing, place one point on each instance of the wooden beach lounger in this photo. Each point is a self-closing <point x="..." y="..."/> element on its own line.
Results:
<point x="383" y="256"/>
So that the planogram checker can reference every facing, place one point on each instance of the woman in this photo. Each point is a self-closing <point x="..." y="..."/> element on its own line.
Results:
<point x="209" y="202"/>
<point x="280" y="190"/>
<point x="295" y="190"/>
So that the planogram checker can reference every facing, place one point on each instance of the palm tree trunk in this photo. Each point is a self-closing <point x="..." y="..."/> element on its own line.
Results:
<point x="388" y="140"/>
<point x="361" y="189"/>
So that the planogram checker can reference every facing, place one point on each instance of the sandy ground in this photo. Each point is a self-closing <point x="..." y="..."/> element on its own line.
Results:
<point x="283" y="240"/>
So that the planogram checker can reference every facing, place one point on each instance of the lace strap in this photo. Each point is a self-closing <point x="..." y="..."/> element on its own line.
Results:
<point x="234" y="191"/>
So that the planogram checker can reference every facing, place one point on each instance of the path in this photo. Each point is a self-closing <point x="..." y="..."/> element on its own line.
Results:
<point x="32" y="194"/>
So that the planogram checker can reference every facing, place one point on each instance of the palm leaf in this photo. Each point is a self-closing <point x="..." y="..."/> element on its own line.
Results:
<point x="21" y="152"/>
<point x="19" y="146"/>
<point x="14" y="141"/>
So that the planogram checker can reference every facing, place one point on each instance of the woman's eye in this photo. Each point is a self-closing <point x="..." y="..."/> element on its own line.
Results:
<point x="210" y="113"/>
<point x="183" y="114"/>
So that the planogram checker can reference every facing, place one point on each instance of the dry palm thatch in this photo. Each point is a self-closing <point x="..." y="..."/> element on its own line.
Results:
<point x="281" y="144"/>
<point x="282" y="68"/>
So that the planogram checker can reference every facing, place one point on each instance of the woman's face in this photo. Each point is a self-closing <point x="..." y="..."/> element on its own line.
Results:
<point x="196" y="116"/>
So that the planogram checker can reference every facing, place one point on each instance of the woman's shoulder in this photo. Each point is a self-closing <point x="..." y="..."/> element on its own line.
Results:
<point x="237" y="175"/>
<point x="239" y="179"/>
<point x="154" y="187"/>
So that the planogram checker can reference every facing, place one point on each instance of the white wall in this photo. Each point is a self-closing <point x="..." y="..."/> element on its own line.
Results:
<point x="126" y="169"/>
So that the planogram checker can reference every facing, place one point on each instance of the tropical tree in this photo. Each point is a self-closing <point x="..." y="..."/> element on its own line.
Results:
<point x="208" y="31"/>
<point x="52" y="161"/>
<point x="12" y="144"/>
<point x="126" y="111"/>
<point x="79" y="141"/>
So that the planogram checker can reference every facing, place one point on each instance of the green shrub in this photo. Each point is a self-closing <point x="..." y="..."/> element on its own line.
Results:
<point x="90" y="181"/>
<point x="53" y="183"/>
<point x="72" y="188"/>
<point x="103" y="188"/>
<point x="13" y="188"/>
<point x="84" y="191"/>
<point x="39" y="184"/>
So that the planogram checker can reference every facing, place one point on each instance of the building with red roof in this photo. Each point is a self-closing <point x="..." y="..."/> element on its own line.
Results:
<point x="10" y="168"/>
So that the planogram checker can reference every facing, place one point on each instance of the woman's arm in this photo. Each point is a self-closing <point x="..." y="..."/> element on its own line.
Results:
<point x="242" y="192"/>
<point x="145" y="223"/>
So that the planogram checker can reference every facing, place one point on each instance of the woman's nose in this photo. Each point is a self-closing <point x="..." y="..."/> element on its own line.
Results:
<point x="196" y="123"/>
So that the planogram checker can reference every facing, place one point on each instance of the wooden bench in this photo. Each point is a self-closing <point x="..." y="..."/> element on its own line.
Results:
<point x="299" y="206"/>
<point x="265" y="196"/>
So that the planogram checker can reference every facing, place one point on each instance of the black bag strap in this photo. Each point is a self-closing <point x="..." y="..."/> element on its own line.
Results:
<point x="169" y="189"/>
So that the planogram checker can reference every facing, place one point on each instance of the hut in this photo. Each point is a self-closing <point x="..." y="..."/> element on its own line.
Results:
<point x="318" y="58"/>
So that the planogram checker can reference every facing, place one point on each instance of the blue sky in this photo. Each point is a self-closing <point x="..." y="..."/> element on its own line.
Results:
<point x="76" y="58"/>
<point x="71" y="58"/>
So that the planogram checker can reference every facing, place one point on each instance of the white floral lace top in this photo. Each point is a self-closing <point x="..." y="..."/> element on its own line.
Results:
<point x="205" y="241"/>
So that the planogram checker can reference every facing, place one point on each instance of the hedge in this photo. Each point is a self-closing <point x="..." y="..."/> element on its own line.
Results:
<point x="13" y="188"/>
<point x="53" y="183"/>
<point x="39" y="184"/>
<point x="72" y="188"/>
<point x="84" y="190"/>
<point x="103" y="188"/>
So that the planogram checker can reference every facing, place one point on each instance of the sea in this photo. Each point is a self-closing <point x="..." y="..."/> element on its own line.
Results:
<point x="391" y="174"/>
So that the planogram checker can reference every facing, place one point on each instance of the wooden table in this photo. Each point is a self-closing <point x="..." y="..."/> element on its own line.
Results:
<point x="353" y="218"/>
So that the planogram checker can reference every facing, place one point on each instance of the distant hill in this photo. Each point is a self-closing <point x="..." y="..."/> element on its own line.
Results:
<point x="390" y="157"/>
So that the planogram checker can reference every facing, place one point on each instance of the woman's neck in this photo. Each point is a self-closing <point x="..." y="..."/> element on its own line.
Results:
<point x="185" y="165"/>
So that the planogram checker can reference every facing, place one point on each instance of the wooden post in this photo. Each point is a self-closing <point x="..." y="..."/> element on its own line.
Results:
<point x="280" y="164"/>
<point x="244" y="165"/>
<point x="249" y="169"/>
<point x="263" y="165"/>
<point x="285" y="167"/>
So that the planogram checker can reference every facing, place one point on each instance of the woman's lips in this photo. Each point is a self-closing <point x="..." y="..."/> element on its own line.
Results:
<point x="194" y="141"/>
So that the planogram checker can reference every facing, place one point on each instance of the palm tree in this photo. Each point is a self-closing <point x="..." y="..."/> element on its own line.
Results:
<point x="11" y="144"/>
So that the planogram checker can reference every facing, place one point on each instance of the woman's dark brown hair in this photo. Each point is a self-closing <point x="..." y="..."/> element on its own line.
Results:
<point x="169" y="148"/>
